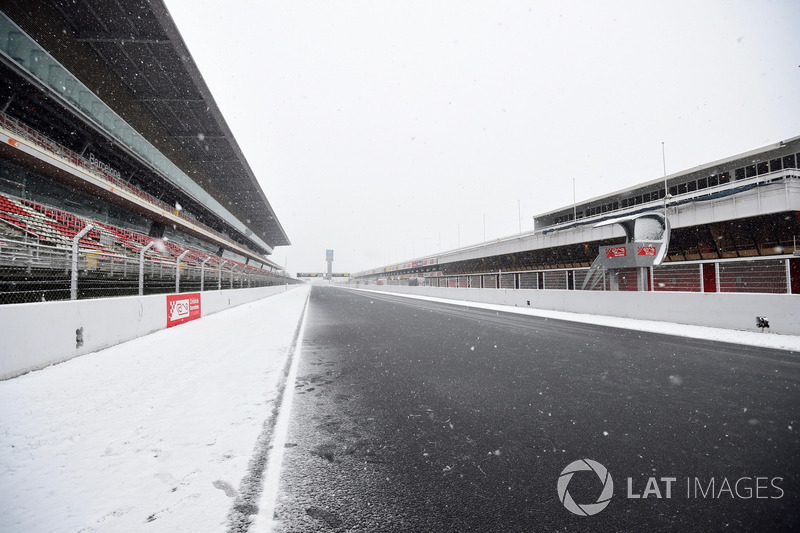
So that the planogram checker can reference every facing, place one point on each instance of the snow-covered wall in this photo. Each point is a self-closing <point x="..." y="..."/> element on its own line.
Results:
<point x="720" y="310"/>
<point x="35" y="335"/>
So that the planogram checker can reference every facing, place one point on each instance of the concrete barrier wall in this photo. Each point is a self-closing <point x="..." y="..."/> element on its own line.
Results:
<point x="35" y="335"/>
<point x="720" y="310"/>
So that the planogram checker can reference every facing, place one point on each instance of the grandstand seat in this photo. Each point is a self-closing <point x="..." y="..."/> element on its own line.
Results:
<point x="58" y="228"/>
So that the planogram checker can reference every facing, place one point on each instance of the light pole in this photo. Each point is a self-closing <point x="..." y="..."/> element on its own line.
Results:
<point x="574" y="202"/>
<point x="666" y="187"/>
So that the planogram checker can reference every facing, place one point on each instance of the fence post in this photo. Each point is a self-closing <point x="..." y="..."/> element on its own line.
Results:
<point x="641" y="277"/>
<point x="74" y="283"/>
<point x="219" y="278"/>
<point x="233" y="267"/>
<point x="203" y="273"/>
<point x="178" y="271"/>
<point x="141" y="266"/>
<point x="788" y="277"/>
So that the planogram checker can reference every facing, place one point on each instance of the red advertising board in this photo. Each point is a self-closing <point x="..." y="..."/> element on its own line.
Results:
<point x="617" y="251"/>
<point x="182" y="308"/>
<point x="647" y="250"/>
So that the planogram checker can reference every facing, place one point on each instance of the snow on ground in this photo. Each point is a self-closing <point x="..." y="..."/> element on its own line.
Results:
<point x="751" y="338"/>
<point x="151" y="435"/>
<point x="156" y="434"/>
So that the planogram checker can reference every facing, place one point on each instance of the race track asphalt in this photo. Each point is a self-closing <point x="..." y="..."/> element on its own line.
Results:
<point x="411" y="415"/>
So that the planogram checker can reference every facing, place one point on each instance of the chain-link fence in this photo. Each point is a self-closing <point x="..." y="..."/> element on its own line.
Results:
<point x="31" y="272"/>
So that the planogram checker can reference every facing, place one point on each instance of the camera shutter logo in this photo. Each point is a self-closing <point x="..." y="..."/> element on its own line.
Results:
<point x="585" y="509"/>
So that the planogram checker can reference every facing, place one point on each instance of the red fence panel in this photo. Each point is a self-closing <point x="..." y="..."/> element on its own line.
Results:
<point x="684" y="278"/>
<point x="768" y="276"/>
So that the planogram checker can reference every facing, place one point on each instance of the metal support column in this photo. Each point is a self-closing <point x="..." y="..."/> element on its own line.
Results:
<point x="141" y="266"/>
<point x="203" y="273"/>
<point x="74" y="281"/>
<point x="642" y="275"/>
<point x="178" y="271"/>
<point x="219" y="277"/>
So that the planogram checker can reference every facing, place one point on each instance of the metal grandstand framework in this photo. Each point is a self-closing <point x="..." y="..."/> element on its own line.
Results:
<point x="131" y="54"/>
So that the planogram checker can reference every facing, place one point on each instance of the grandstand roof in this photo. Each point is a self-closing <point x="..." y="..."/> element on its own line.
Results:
<point x="132" y="54"/>
<point x="752" y="156"/>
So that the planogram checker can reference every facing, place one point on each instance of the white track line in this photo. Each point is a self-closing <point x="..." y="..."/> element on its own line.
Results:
<point x="264" y="521"/>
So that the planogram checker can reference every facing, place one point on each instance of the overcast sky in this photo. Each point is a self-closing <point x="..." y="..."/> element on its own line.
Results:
<point x="384" y="130"/>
